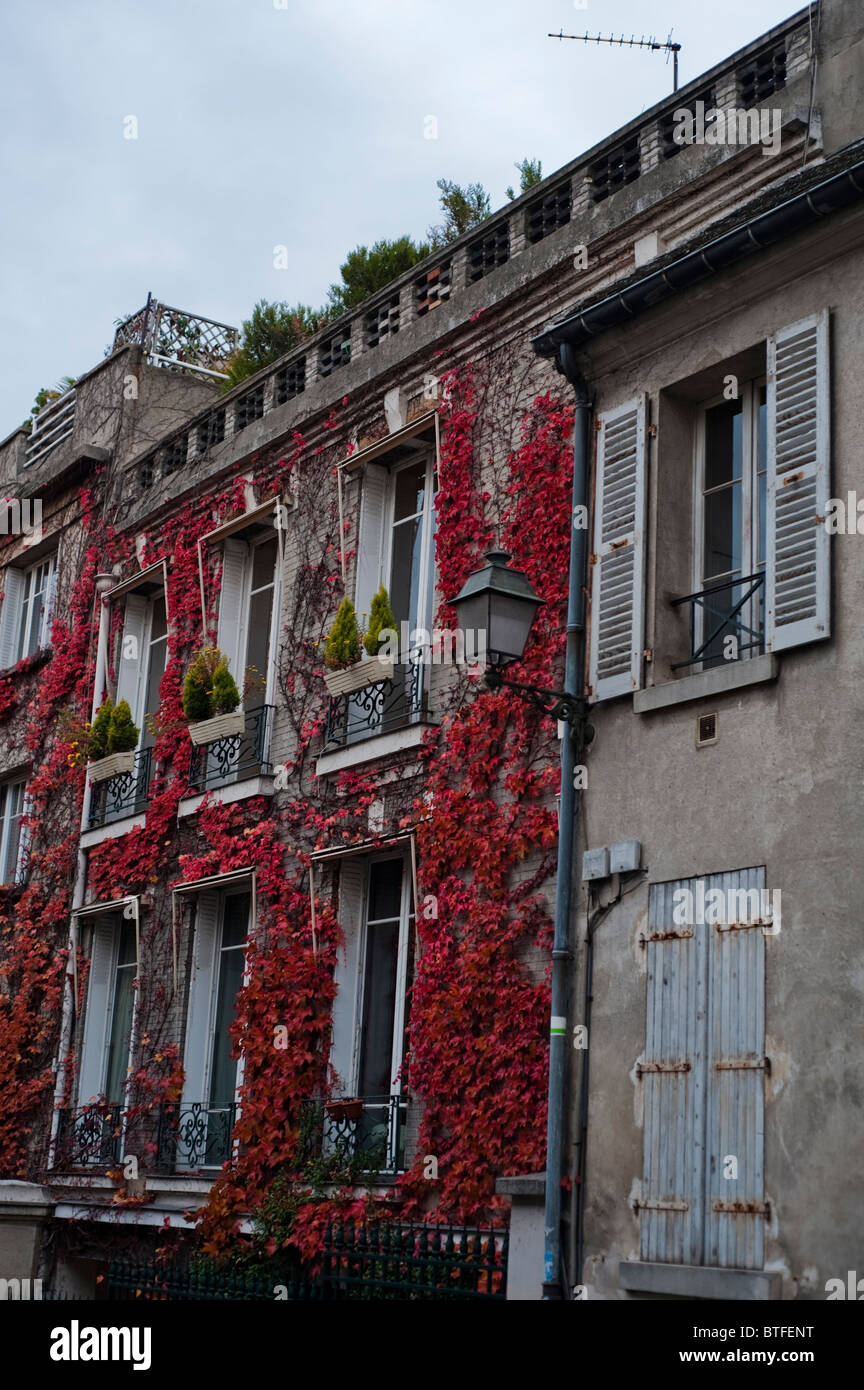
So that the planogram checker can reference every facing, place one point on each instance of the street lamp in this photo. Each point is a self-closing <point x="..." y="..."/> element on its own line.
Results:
<point x="500" y="602"/>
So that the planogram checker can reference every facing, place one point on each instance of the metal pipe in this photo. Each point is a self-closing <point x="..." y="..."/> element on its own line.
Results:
<point x="574" y="685"/>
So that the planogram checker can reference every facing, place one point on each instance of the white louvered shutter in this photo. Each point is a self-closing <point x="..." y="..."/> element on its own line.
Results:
<point x="618" y="559"/>
<point x="370" y="542"/>
<point x="199" y="1039"/>
<point x="347" y="976"/>
<point x="10" y="616"/>
<point x="233" y="607"/>
<point x="133" y="656"/>
<point x="797" y="599"/>
<point x="50" y="598"/>
<point x="91" y="1074"/>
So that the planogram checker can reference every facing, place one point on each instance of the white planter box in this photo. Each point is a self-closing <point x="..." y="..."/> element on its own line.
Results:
<point x="360" y="675"/>
<point x="220" y="726"/>
<point x="112" y="766"/>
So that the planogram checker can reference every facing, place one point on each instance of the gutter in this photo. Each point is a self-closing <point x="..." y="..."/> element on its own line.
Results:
<point x="766" y="229"/>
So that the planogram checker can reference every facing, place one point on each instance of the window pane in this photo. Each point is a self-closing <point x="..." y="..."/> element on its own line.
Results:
<point x="121" y="1015"/>
<point x="410" y="489"/>
<point x="236" y="924"/>
<point x="385" y="889"/>
<point x="722" y="532"/>
<point x="404" y="587"/>
<point x="379" y="1009"/>
<point x="258" y="647"/>
<point x="223" y="1073"/>
<point x="723" y="443"/>
<point x="264" y="563"/>
<point x="159" y="626"/>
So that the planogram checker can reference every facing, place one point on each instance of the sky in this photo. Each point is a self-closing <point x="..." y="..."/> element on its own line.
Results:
<point x="171" y="146"/>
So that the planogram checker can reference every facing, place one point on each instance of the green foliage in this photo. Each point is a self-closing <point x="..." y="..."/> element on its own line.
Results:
<point x="367" y="270"/>
<point x="463" y="208"/>
<point x="48" y="394"/>
<point x="97" y="743"/>
<point x="273" y="330"/>
<point x="209" y="687"/>
<point x="343" y="645"/>
<point x="530" y="173"/>
<point x="380" y="617"/>
<point x="226" y="696"/>
<point x="122" y="733"/>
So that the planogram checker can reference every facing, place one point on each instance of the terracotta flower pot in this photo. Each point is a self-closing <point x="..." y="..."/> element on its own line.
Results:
<point x="341" y="1110"/>
<point x="104" y="768"/>
<point x="220" y="726"/>
<point x="357" y="677"/>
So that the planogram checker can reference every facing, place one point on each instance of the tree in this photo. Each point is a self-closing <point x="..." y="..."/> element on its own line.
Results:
<point x="530" y="173"/>
<point x="463" y="208"/>
<point x="381" y="619"/>
<point x="122" y="732"/>
<point x="367" y="270"/>
<point x="273" y="330"/>
<point x="342" y="647"/>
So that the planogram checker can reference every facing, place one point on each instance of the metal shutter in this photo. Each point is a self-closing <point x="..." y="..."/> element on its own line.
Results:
<point x="10" y="617"/>
<point x="797" y="607"/>
<point x="233" y="607"/>
<point x="370" y="539"/>
<point x="618" y="560"/>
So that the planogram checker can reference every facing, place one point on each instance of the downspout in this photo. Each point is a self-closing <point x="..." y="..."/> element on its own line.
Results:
<point x="574" y="684"/>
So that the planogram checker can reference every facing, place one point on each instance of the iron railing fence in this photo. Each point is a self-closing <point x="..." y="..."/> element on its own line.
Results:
<point x="365" y="1135"/>
<point x="236" y="756"/>
<point x="359" y="1261"/>
<point x="179" y="340"/>
<point x="741" y="618"/>
<point x="378" y="708"/>
<point x="126" y="794"/>
<point x="179" y="1136"/>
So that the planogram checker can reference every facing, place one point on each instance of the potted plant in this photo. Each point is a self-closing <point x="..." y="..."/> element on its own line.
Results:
<point x="346" y="668"/>
<point x="211" y="700"/>
<point x="341" y="1110"/>
<point x="112" y="741"/>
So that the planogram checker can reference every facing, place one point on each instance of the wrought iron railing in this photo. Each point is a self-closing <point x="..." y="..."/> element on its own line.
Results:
<point x="365" y="1136"/>
<point x="124" y="795"/>
<point x="236" y="756"/>
<point x="713" y="620"/>
<point x="194" y="1134"/>
<point x="89" y="1136"/>
<point x="178" y="340"/>
<point x="378" y="708"/>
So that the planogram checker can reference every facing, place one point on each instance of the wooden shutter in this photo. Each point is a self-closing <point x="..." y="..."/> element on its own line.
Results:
<point x="48" y="607"/>
<point x="199" y="1039"/>
<point x="673" y="1085"/>
<point x="131" y="668"/>
<point x="736" y="1087"/>
<point x="618" y="559"/>
<point x="103" y="953"/>
<point x="10" y="616"/>
<point x="343" y="1047"/>
<point x="370" y="542"/>
<point x="233" y="606"/>
<point x="797" y="603"/>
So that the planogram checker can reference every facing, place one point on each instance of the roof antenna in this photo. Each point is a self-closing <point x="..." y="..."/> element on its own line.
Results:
<point x="656" y="45"/>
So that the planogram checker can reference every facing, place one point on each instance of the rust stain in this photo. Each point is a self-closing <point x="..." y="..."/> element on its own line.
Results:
<point x="743" y="1208"/>
<point x="744" y="1064"/>
<point x="682" y="935"/>
<point x="661" y="1066"/>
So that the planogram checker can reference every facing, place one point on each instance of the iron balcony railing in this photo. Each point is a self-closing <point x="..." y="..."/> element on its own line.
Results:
<point x="378" y="708"/>
<point x="717" y="613"/>
<point x="236" y="756"/>
<point x="181" y="1136"/>
<point x="365" y="1135"/>
<point x="126" y="794"/>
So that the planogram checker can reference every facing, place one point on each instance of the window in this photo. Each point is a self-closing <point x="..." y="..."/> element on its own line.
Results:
<point x="12" y="842"/>
<point x="370" y="1015"/>
<point x="205" y="1119"/>
<point x="732" y="446"/>
<point x="25" y="621"/>
<point x="108" y="1020"/>
<point x="703" y="1073"/>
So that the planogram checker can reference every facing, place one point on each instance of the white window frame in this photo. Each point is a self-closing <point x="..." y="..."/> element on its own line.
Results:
<point x="103" y="1023"/>
<point x="749" y="395"/>
<point x="7" y="789"/>
<point x="423" y="618"/>
<point x="405" y="937"/>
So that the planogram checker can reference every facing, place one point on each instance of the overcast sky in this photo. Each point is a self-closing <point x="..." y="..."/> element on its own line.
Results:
<point x="282" y="122"/>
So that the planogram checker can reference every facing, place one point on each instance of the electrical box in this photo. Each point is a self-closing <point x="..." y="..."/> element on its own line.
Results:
<point x="595" y="864"/>
<point x="625" y="856"/>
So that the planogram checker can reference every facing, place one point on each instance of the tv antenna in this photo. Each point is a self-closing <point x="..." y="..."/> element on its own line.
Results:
<point x="656" y="45"/>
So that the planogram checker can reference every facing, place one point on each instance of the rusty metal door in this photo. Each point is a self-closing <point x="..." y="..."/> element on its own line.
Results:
<point x="702" y="1076"/>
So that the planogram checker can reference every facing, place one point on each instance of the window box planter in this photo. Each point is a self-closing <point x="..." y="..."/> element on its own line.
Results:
<point x="341" y="1110"/>
<point x="220" y="726"/>
<point x="358" y="676"/>
<point x="104" y="768"/>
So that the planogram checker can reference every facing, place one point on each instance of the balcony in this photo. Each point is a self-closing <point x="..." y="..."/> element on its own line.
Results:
<point x="727" y="622"/>
<point x="53" y="424"/>
<point x="379" y="708"/>
<point x="124" y="795"/>
<point x="181" y="1137"/>
<point x="235" y="757"/>
<point x="364" y="1136"/>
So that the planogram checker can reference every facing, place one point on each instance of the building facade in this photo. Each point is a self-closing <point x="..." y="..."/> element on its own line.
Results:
<point x="302" y="966"/>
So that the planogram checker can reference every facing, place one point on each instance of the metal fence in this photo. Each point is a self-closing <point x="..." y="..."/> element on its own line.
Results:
<point x="359" y="1261"/>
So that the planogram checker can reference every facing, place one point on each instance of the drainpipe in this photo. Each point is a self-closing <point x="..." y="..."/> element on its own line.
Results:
<point x="562" y="956"/>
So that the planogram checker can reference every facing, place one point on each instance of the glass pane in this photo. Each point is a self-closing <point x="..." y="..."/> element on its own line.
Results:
<point x="159" y="627"/>
<point x="723" y="443"/>
<point x="385" y="890"/>
<point x="410" y="488"/>
<point x="155" y="672"/>
<point x="223" y="1074"/>
<point x="264" y="563"/>
<point x="235" y="927"/>
<point x="722" y="532"/>
<point x="404" y="587"/>
<point x="121" y="1015"/>
<point x="258" y="647"/>
<point x="379" y="1009"/>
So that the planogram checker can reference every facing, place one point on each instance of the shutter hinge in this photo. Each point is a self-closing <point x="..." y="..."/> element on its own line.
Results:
<point x="681" y="935"/>
<point x="743" y="1208"/>
<point x="745" y="1064"/>
<point x="661" y="1067"/>
<point x="671" y="1205"/>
